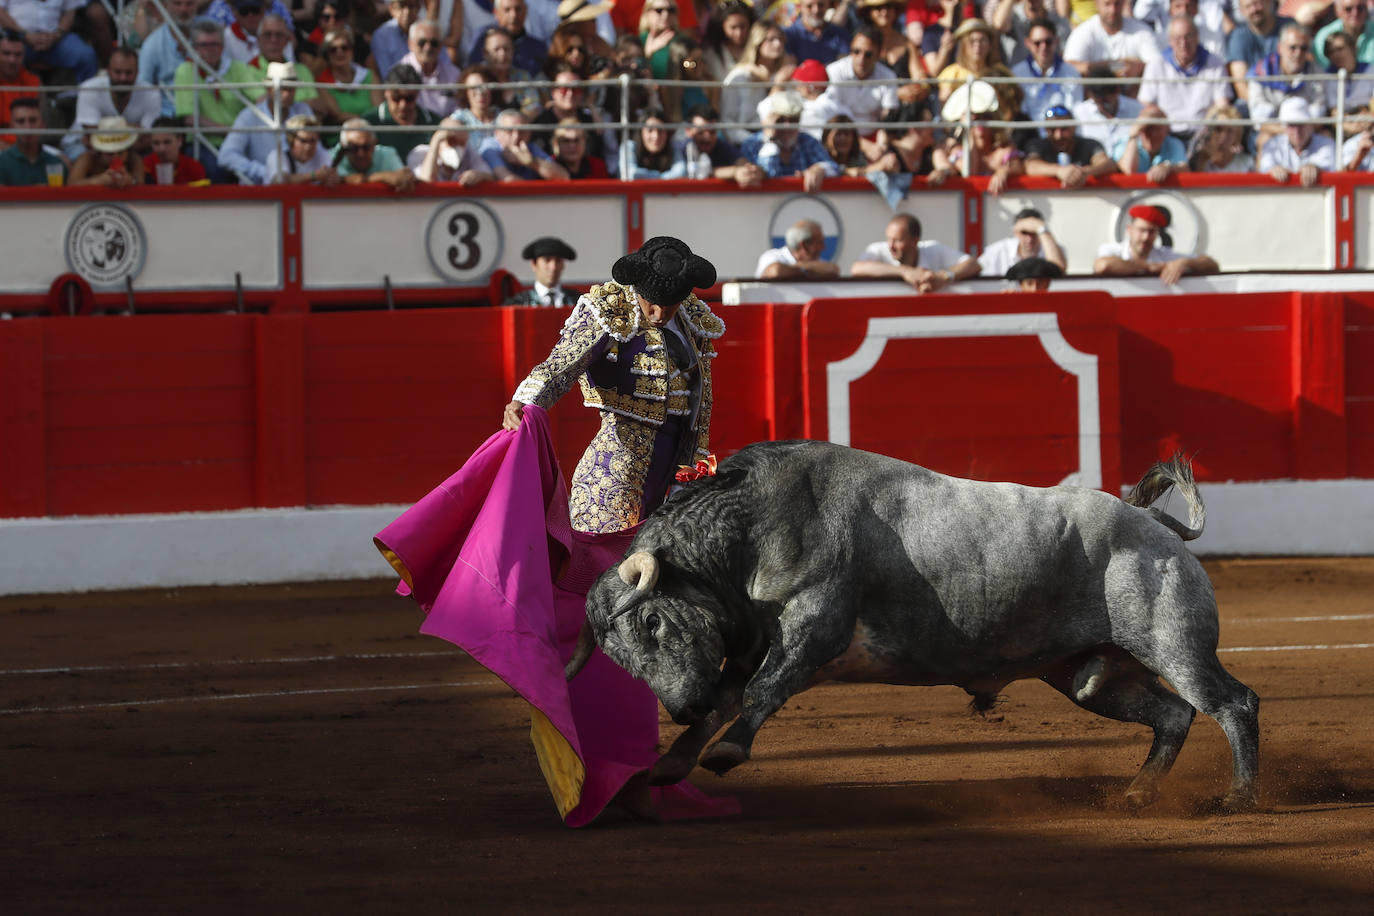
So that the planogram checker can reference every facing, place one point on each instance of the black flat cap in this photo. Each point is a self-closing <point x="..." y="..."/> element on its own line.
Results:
<point x="1033" y="268"/>
<point x="548" y="247"/>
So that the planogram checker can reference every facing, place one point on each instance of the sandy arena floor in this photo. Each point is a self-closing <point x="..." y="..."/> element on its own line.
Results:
<point x="303" y="749"/>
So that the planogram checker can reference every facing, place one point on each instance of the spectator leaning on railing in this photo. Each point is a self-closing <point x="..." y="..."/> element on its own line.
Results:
<point x="1281" y="76"/>
<point x="1151" y="149"/>
<point x="1299" y="149"/>
<point x="927" y="266"/>
<point x="1063" y="155"/>
<point x="450" y="157"/>
<point x="801" y="256"/>
<point x="1204" y="78"/>
<point x="781" y="150"/>
<point x="245" y="150"/>
<point x="115" y="92"/>
<point x="167" y="164"/>
<point x="25" y="162"/>
<point x="359" y="159"/>
<point x="1139" y="254"/>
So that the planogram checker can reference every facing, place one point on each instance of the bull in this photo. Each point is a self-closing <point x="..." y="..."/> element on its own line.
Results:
<point x="802" y="562"/>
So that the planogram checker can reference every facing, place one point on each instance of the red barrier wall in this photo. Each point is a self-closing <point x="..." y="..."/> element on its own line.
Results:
<point x="212" y="412"/>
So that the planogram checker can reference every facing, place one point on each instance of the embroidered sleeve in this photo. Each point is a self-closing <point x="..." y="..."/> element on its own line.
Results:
<point x="582" y="341"/>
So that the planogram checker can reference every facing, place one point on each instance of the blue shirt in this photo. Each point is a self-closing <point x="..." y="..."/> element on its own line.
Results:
<point x="157" y="64"/>
<point x="766" y="155"/>
<point x="1040" y="97"/>
<point x="388" y="47"/>
<point x="831" y="46"/>
<point x="245" y="152"/>
<point x="1172" y="152"/>
<point x="490" y="151"/>
<point x="1243" y="44"/>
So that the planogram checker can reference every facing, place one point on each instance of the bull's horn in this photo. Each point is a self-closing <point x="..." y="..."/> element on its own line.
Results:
<point x="640" y="569"/>
<point x="586" y="642"/>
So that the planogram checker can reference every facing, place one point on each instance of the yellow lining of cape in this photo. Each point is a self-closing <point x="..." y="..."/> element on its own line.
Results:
<point x="563" y="770"/>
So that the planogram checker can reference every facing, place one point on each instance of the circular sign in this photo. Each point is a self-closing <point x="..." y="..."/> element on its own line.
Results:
<point x="1184" y="232"/>
<point x="105" y="244"/>
<point x="805" y="206"/>
<point x="464" y="241"/>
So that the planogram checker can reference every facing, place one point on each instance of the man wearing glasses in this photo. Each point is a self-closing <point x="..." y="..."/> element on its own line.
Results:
<point x="430" y="60"/>
<point x="359" y="159"/>
<point x="1043" y="61"/>
<point x="1280" y="76"/>
<point x="780" y="149"/>
<point x="401" y="108"/>
<point x="199" y="101"/>
<point x="1255" y="36"/>
<point x="510" y="156"/>
<point x="1013" y="19"/>
<point x="866" y="104"/>
<point x="813" y="37"/>
<point x="1351" y="16"/>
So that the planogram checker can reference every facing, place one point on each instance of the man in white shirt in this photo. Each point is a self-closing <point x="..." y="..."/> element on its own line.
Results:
<point x="1031" y="238"/>
<point x="925" y="266"/>
<point x="241" y="37"/>
<point x="1300" y="148"/>
<point x="866" y="104"/>
<point x="1140" y="255"/>
<point x="117" y="92"/>
<point x="1106" y="113"/>
<point x="1113" y="38"/>
<point x="801" y="257"/>
<point x="429" y="59"/>
<point x="548" y="256"/>
<point x="1206" y="82"/>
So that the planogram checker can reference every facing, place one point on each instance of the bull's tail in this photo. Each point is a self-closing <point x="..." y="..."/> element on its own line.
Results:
<point x="1176" y="472"/>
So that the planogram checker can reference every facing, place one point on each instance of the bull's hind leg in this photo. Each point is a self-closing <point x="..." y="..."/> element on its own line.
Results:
<point x="1121" y="688"/>
<point x="1204" y="683"/>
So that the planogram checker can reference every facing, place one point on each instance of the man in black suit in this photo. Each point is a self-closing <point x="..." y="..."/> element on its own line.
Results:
<point x="547" y="256"/>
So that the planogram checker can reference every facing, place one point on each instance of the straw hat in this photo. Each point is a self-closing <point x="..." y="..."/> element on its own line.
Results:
<point x="972" y="25"/>
<point x="113" y="135"/>
<point x="977" y="96"/>
<point x="581" y="10"/>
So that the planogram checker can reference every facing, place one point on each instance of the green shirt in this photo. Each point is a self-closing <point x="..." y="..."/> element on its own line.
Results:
<point x="259" y="71"/>
<point x="16" y="170"/>
<point x="221" y="105"/>
<point x="384" y="159"/>
<point x="1364" y="44"/>
<point x="403" y="141"/>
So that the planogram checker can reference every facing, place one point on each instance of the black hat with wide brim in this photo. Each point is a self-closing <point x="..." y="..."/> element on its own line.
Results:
<point x="1033" y="269"/>
<point x="548" y="247"/>
<point x="664" y="270"/>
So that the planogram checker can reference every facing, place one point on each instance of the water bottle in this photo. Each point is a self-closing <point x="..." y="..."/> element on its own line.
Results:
<point x="695" y="159"/>
<point x="1064" y="159"/>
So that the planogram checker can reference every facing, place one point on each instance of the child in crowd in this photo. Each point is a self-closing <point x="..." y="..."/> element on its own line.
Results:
<point x="167" y="143"/>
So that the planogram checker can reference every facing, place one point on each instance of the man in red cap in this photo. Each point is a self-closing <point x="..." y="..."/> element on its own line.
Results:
<point x="1139" y="255"/>
<point x="818" y="104"/>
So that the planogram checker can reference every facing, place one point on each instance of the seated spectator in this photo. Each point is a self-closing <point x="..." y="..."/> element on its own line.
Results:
<point x="24" y="162"/>
<point x="907" y="150"/>
<point x="359" y="159"/>
<point x="1212" y="18"/>
<point x="475" y="109"/>
<point x="1106" y="112"/>
<point x="978" y="54"/>
<point x="727" y="35"/>
<point x="1254" y="38"/>
<point x="213" y="108"/>
<point x="527" y="52"/>
<point x="12" y="73"/>
<point x="899" y="53"/>
<point x="1064" y="155"/>
<point x="1139" y="255"/>
<point x="241" y="31"/>
<point x="570" y="151"/>
<point x="137" y="21"/>
<point x="411" y="123"/>
<point x="429" y="59"/>
<point x="1281" y="76"/>
<point x="568" y="100"/>
<point x="347" y="94"/>
<point x="651" y="150"/>
<point x="780" y="149"/>
<point x="819" y="104"/>
<point x="510" y="156"/>
<point x="926" y="266"/>
<point x="765" y="65"/>
<point x="1033" y="275"/>
<point x="167" y="157"/>
<point x="328" y="16"/>
<point x="1203" y="79"/>
<point x="1352" y="18"/>
<point x="630" y="16"/>
<point x="813" y="37"/>
<point x="108" y="162"/>
<point x="1044" y="62"/>
<point x="1359" y="84"/>
<point x="1030" y="238"/>
<point x="306" y="160"/>
<point x="1015" y="21"/>
<point x="1151" y="149"/>
<point x="567" y="46"/>
<point x="1111" y="37"/>
<point x="497" y="51"/>
<point x="1357" y="155"/>
<point x="45" y="28"/>
<point x="246" y="148"/>
<point x="701" y="138"/>
<point x="841" y="141"/>
<point x="991" y="153"/>
<point x="1299" y="148"/>
<point x="115" y="92"/>
<point x="547" y="256"/>
<point x="1220" y="148"/>
<point x="391" y="40"/>
<point x="801" y="257"/>
<point x="686" y="63"/>
<point x="161" y="55"/>
<point x="451" y="157"/>
<point x="869" y="103"/>
<point x="274" y="47"/>
<point x="592" y="23"/>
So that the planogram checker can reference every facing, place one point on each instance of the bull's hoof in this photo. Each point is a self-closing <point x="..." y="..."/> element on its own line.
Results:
<point x="1239" y="801"/>
<point x="1138" y="797"/>
<point x="723" y="756"/>
<point x="670" y="769"/>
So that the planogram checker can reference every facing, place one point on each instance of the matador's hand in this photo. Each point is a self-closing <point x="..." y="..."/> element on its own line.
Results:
<point x="511" y="419"/>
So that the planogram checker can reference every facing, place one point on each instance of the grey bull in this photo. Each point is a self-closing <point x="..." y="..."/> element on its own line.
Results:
<point x="801" y="562"/>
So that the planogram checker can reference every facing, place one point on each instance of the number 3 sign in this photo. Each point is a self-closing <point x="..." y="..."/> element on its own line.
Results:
<point x="464" y="241"/>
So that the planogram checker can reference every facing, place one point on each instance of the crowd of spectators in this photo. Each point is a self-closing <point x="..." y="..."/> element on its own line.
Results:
<point x="810" y="88"/>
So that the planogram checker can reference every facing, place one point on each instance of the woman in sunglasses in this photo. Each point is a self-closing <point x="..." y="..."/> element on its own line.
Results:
<point x="657" y="28"/>
<point x="347" y="82"/>
<point x="979" y="54"/>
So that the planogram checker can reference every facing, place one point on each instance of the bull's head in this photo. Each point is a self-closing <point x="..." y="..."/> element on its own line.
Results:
<point x="670" y="639"/>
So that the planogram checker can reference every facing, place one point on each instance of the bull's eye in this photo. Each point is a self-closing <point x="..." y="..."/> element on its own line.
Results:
<point x="652" y="621"/>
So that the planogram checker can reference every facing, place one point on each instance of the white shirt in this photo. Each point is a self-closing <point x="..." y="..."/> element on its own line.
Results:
<point x="1348" y="150"/>
<point x="1122" y="250"/>
<point x="816" y="113"/>
<point x="94" y="102"/>
<point x="543" y="292"/>
<point x="1320" y="151"/>
<point x="274" y="164"/>
<point x="781" y="255"/>
<point x="1107" y="131"/>
<point x="999" y="257"/>
<point x="1208" y="85"/>
<point x="931" y="255"/>
<point x="865" y="103"/>
<point x="1090" y="42"/>
<point x="38" y="15"/>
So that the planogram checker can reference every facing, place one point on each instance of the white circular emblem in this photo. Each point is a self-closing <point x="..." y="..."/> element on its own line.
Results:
<point x="464" y="241"/>
<point x="806" y="206"/>
<point x="105" y="244"/>
<point x="1184" y="232"/>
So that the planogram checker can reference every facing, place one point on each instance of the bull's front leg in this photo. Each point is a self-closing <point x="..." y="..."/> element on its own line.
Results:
<point x="813" y="629"/>
<point x="680" y="759"/>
